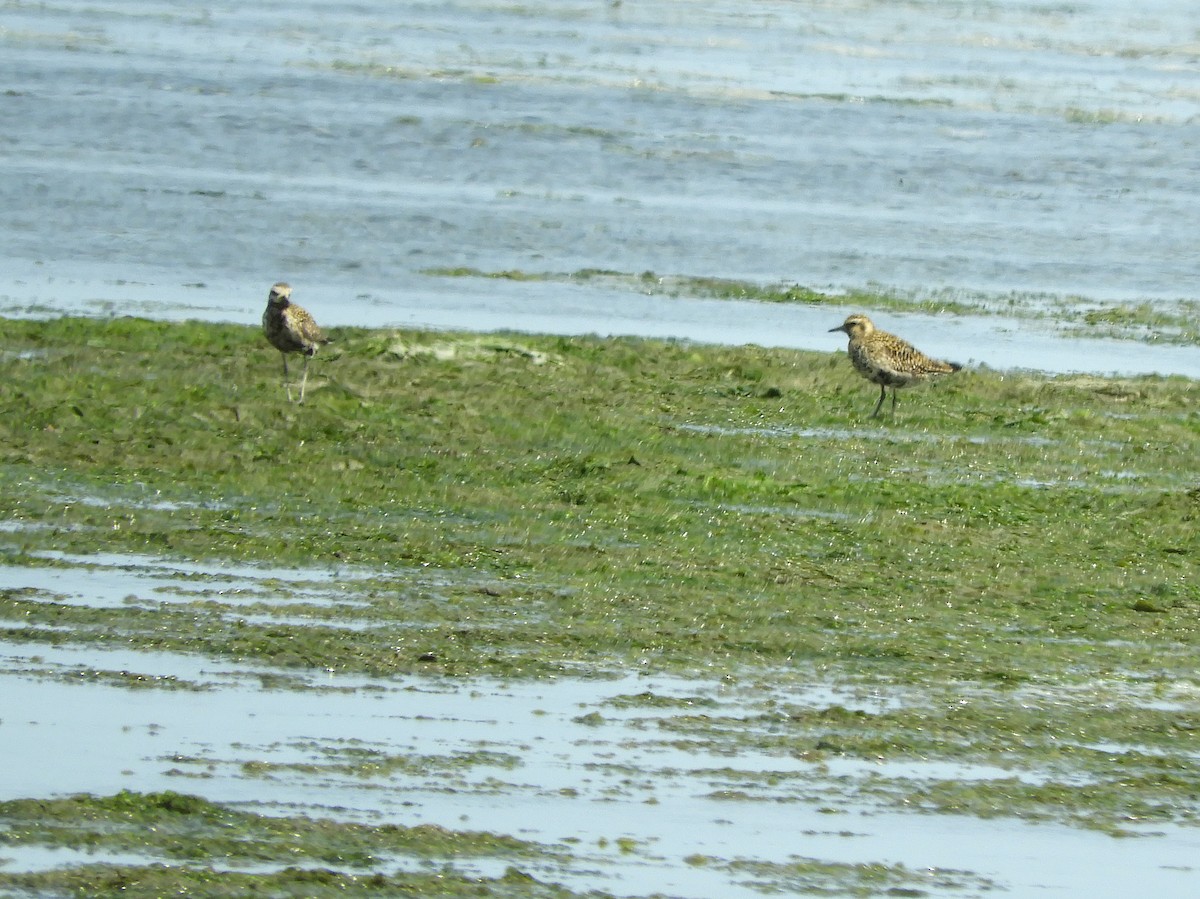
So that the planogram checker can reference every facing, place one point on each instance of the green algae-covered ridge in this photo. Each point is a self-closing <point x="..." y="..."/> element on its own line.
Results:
<point x="1069" y="315"/>
<point x="217" y="850"/>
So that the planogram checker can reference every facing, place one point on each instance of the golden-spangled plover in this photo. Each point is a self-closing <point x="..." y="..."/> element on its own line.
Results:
<point x="290" y="329"/>
<point x="886" y="360"/>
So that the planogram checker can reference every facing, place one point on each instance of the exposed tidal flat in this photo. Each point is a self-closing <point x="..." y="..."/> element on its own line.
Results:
<point x="511" y="615"/>
<point x="531" y="615"/>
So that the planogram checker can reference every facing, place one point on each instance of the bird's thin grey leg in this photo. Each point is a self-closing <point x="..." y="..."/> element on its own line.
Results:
<point x="304" y="379"/>
<point x="893" y="401"/>
<point x="882" y="397"/>
<point x="286" y="386"/>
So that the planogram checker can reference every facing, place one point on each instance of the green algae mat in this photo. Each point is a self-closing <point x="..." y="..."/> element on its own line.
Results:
<point x="524" y="507"/>
<point x="599" y="502"/>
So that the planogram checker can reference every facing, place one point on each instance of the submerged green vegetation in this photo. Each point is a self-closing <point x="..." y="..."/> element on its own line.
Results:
<point x="1173" y="323"/>
<point x="217" y="850"/>
<point x="186" y="845"/>
<point x="1018" y="552"/>
<point x="187" y="827"/>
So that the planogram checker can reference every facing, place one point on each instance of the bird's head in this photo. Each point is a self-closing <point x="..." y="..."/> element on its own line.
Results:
<point x="855" y="326"/>
<point x="280" y="294"/>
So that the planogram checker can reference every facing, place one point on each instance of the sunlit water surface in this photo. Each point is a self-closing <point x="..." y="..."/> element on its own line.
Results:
<point x="174" y="161"/>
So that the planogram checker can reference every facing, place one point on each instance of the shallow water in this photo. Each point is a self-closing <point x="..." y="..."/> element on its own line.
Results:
<point x="608" y="768"/>
<point x="112" y="580"/>
<point x="175" y="162"/>
<point x="573" y="761"/>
